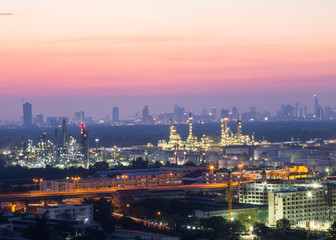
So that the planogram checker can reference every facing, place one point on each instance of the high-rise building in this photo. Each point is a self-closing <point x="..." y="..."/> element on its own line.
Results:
<point x="146" y="118"/>
<point x="214" y="112"/>
<point x="79" y="117"/>
<point x="115" y="115"/>
<point x="318" y="110"/>
<point x="224" y="113"/>
<point x="27" y="114"/>
<point x="234" y="114"/>
<point x="253" y="109"/>
<point x="178" y="114"/>
<point x="39" y="120"/>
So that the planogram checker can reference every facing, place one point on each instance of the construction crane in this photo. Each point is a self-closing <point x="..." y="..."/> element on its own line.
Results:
<point x="230" y="196"/>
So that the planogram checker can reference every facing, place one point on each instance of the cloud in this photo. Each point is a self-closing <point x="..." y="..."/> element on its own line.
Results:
<point x="6" y="14"/>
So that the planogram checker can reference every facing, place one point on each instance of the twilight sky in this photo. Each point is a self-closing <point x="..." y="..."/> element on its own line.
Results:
<point x="65" y="56"/>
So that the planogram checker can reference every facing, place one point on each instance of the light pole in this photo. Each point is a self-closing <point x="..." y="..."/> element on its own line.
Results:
<point x="124" y="177"/>
<point x="74" y="181"/>
<point x="170" y="181"/>
<point x="36" y="180"/>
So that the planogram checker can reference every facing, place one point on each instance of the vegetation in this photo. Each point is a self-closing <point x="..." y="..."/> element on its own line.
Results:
<point x="102" y="213"/>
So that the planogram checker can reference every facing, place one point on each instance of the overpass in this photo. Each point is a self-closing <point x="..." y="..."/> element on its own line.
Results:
<point x="79" y="193"/>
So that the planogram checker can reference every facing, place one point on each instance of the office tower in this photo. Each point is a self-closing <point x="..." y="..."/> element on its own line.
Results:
<point x="39" y="120"/>
<point x="253" y="109"/>
<point x="145" y="113"/>
<point x="234" y="114"/>
<point x="52" y="121"/>
<point x="214" y="112"/>
<point x="178" y="114"/>
<point x="27" y="114"/>
<point x="224" y="113"/>
<point x="297" y="110"/>
<point x="318" y="112"/>
<point x="316" y="105"/>
<point x="204" y="112"/>
<point x="146" y="118"/>
<point x="115" y="115"/>
<point x="79" y="118"/>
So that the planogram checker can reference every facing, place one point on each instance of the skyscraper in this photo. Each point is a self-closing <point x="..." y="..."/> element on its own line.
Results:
<point x="178" y="114"/>
<point x="27" y="114"/>
<point x="79" y="117"/>
<point x="224" y="113"/>
<point x="146" y="118"/>
<point x="115" y="115"/>
<point x="318" y="110"/>
<point x="214" y="112"/>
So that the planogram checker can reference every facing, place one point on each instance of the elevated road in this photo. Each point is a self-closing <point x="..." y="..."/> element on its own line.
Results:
<point x="36" y="196"/>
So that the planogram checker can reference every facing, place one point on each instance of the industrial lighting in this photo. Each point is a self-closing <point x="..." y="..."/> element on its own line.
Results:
<point x="309" y="194"/>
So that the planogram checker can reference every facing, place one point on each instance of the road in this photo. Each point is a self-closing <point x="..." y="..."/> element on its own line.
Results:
<point x="103" y="192"/>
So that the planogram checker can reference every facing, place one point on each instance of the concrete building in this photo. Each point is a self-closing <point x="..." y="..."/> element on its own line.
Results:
<point x="257" y="193"/>
<point x="305" y="205"/>
<point x="223" y="177"/>
<point x="79" y="213"/>
<point x="130" y="180"/>
<point x="27" y="115"/>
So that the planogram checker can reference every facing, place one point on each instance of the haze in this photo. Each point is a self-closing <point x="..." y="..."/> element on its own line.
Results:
<point x="65" y="56"/>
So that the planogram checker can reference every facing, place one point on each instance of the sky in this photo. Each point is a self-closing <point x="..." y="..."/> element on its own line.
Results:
<point x="65" y="56"/>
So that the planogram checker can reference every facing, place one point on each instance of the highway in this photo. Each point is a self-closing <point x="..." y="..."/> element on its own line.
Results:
<point x="103" y="192"/>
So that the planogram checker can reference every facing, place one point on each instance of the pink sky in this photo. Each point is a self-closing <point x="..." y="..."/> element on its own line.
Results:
<point x="150" y="47"/>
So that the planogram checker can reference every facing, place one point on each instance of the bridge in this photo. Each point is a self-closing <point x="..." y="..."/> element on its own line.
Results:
<point x="78" y="193"/>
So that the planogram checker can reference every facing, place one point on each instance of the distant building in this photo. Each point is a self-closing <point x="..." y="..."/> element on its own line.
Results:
<point x="224" y="113"/>
<point x="214" y="112"/>
<point x="79" y="117"/>
<point x="146" y="118"/>
<point x="318" y="110"/>
<point x="39" y="120"/>
<point x="178" y="114"/>
<point x="27" y="114"/>
<point x="127" y="180"/>
<point x="79" y="213"/>
<point x="115" y="115"/>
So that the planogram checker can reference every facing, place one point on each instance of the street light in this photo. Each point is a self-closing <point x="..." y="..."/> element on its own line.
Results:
<point x="36" y="180"/>
<point x="124" y="177"/>
<point x="74" y="181"/>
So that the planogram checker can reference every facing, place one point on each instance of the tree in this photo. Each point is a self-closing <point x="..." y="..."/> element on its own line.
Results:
<point x="128" y="223"/>
<point x="261" y="230"/>
<point x="40" y="231"/>
<point x="247" y="217"/>
<point x="219" y="227"/>
<point x="156" y="164"/>
<point x="62" y="231"/>
<point x="283" y="224"/>
<point x="100" y="166"/>
<point x="102" y="213"/>
<point x="139" y="163"/>
<point x="332" y="231"/>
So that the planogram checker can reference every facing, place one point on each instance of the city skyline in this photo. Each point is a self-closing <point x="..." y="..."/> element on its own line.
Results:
<point x="150" y="51"/>
<point x="157" y="107"/>
<point x="286" y="111"/>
